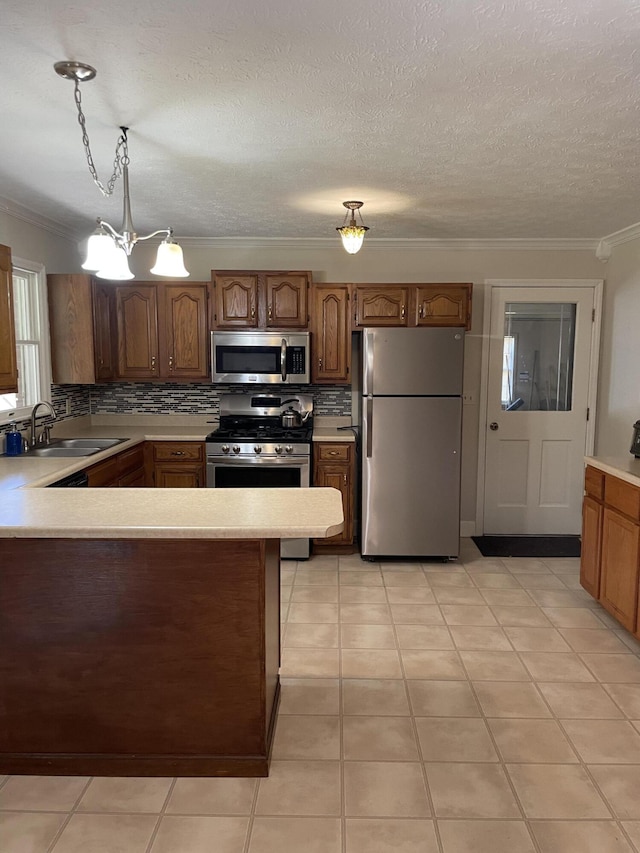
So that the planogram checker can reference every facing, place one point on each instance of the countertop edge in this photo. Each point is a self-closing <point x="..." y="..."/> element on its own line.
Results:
<point x="625" y="468"/>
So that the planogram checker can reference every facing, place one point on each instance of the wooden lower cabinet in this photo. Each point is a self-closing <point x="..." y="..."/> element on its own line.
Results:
<point x="334" y="467"/>
<point x="591" y="546"/>
<point x="149" y="657"/>
<point x="176" y="464"/>
<point x="619" y="577"/>
<point x="610" y="553"/>
<point x="125" y="470"/>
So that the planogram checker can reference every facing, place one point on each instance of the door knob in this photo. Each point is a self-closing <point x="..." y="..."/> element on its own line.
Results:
<point x="493" y="426"/>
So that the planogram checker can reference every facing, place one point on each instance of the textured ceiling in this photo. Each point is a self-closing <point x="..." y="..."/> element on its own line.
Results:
<point x="451" y="119"/>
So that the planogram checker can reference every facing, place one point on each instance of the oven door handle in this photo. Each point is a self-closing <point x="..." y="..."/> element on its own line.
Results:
<point x="291" y="461"/>
<point x="283" y="359"/>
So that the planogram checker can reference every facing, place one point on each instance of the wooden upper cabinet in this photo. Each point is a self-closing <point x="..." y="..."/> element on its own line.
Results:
<point x="412" y="305"/>
<point x="260" y="299"/>
<point x="184" y="327"/>
<point x="236" y="301"/>
<point x="286" y="301"/>
<point x="103" y="327"/>
<point x="383" y="305"/>
<point x="137" y="320"/>
<point x="82" y="329"/>
<point x="443" y="305"/>
<point x="8" y="362"/>
<point x="330" y="333"/>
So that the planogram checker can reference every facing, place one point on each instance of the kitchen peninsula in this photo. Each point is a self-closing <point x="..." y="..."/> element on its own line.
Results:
<point x="140" y="628"/>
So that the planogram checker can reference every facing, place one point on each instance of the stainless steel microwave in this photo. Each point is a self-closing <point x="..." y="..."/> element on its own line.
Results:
<point x="243" y="358"/>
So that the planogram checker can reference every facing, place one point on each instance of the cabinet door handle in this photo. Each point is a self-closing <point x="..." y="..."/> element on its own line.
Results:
<point x="153" y="362"/>
<point x="345" y="479"/>
<point x="170" y="362"/>
<point x="319" y="364"/>
<point x="421" y="312"/>
<point x="270" y="312"/>
<point x="177" y="452"/>
<point x="333" y="453"/>
<point x="253" y="312"/>
<point x="402" y="312"/>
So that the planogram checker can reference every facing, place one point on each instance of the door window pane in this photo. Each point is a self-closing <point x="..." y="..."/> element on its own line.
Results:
<point x="537" y="370"/>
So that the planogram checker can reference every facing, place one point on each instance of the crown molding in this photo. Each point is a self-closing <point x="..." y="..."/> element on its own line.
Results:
<point x="418" y="244"/>
<point x="632" y="232"/>
<point x="570" y="244"/>
<point x="24" y="214"/>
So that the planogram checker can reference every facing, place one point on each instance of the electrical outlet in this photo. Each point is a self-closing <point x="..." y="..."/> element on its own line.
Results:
<point x="468" y="399"/>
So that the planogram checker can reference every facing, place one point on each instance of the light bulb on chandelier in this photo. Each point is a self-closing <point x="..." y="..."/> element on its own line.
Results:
<point x="351" y="233"/>
<point x="108" y="250"/>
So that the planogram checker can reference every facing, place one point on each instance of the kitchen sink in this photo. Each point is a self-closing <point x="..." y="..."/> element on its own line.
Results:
<point x="72" y="447"/>
<point x="102" y="443"/>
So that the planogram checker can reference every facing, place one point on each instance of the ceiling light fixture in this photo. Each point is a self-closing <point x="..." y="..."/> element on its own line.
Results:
<point x="108" y="250"/>
<point x="352" y="234"/>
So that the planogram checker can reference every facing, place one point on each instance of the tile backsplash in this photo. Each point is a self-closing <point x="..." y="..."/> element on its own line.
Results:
<point x="161" y="399"/>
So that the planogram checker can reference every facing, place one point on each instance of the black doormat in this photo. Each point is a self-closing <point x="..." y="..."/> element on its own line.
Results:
<point x="528" y="546"/>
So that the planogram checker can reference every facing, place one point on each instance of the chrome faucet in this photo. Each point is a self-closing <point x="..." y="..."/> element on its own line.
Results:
<point x="44" y="437"/>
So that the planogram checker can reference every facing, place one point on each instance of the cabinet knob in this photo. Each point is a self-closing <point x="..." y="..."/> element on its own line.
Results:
<point x="333" y="453"/>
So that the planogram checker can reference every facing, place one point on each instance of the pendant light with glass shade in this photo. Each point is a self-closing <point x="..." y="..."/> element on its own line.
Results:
<point x="107" y="249"/>
<point x="352" y="234"/>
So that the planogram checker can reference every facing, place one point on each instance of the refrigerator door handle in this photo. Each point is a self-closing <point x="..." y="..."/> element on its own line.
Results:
<point x="369" y="416"/>
<point x="368" y="363"/>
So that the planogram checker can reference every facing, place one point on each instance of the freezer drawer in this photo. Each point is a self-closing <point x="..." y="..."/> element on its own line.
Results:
<point x="411" y="476"/>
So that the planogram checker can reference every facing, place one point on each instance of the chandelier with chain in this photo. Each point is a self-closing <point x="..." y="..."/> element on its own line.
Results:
<point x="108" y="250"/>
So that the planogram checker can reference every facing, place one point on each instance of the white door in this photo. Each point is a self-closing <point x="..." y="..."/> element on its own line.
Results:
<point x="537" y="398"/>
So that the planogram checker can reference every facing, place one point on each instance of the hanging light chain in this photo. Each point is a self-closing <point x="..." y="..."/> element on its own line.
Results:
<point x="122" y="152"/>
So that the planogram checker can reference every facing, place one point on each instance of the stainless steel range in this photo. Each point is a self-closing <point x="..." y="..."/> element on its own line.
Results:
<point x="263" y="441"/>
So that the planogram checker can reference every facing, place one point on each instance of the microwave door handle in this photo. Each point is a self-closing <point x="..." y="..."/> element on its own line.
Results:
<point x="283" y="360"/>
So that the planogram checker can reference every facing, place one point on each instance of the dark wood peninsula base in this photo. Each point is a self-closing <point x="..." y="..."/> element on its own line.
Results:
<point x="138" y="657"/>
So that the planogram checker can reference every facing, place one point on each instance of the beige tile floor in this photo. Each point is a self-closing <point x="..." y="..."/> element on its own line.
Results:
<point x="485" y="706"/>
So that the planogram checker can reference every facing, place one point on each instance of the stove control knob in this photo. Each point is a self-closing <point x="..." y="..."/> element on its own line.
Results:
<point x="236" y="448"/>
<point x="289" y="448"/>
<point x="278" y="448"/>
<point x="257" y="449"/>
<point x="225" y="448"/>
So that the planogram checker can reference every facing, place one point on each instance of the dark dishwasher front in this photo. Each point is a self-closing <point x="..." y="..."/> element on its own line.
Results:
<point x="73" y="481"/>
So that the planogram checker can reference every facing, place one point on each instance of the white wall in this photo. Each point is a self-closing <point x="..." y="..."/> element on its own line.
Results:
<point x="619" y="384"/>
<point x="32" y="243"/>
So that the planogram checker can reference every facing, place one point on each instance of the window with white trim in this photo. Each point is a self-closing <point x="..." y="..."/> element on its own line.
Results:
<point x="32" y="342"/>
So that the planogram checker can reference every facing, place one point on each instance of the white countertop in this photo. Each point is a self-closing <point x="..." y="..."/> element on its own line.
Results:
<point x="624" y="467"/>
<point x="28" y="510"/>
<point x="171" y="513"/>
<point x="24" y="471"/>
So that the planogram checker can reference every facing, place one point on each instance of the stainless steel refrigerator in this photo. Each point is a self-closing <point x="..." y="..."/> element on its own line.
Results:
<point x="411" y="442"/>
